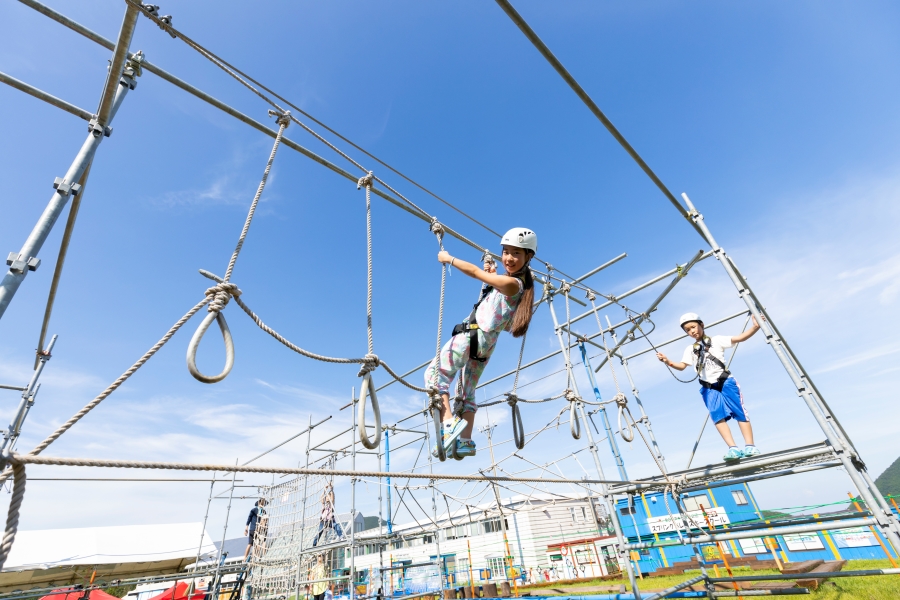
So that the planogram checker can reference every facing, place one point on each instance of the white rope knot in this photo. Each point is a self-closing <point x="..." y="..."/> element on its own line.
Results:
<point x="620" y="400"/>
<point x="565" y="287"/>
<point x="281" y="118"/>
<point x="488" y="258"/>
<point x="365" y="180"/>
<point x="221" y="294"/>
<point x="511" y="399"/>
<point x="370" y="363"/>
<point x="571" y="396"/>
<point x="590" y="296"/>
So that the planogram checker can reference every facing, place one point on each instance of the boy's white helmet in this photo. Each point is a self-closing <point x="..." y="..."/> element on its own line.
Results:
<point x="688" y="317"/>
<point x="520" y="238"/>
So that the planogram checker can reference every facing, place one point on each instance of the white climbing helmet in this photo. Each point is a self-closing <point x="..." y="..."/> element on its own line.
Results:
<point x="688" y="317"/>
<point x="520" y="238"/>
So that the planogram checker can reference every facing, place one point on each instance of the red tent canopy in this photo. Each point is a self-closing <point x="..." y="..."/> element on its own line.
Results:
<point x="70" y="594"/>
<point x="178" y="593"/>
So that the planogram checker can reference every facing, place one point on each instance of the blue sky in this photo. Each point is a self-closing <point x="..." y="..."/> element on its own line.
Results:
<point x="778" y="119"/>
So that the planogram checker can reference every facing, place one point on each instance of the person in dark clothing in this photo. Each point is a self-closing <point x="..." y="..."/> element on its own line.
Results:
<point x="327" y="518"/>
<point x="257" y="514"/>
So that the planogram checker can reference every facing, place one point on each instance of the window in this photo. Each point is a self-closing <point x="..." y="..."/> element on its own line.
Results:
<point x="627" y="510"/>
<point x="739" y="497"/>
<point x="803" y="541"/>
<point x="497" y="565"/>
<point x="753" y="546"/>
<point x="493" y="525"/>
<point x="695" y="502"/>
<point x="583" y="514"/>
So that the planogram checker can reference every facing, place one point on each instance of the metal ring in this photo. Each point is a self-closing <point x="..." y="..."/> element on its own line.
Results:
<point x="368" y="388"/>
<point x="518" y="428"/>
<point x="195" y="343"/>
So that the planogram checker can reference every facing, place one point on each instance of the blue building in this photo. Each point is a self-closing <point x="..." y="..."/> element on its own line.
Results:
<point x="646" y="518"/>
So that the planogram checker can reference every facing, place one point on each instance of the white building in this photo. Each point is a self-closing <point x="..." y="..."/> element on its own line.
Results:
<point x="564" y="535"/>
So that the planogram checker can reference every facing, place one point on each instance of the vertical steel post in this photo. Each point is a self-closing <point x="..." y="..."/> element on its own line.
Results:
<point x="608" y="499"/>
<point x="489" y="431"/>
<point x="437" y="539"/>
<point x="352" y="591"/>
<point x="637" y="398"/>
<point x="613" y="444"/>
<point x="380" y="519"/>
<point x="303" y="509"/>
<point x="387" y="468"/>
<point x="220" y="559"/>
<point x="845" y="451"/>
<point x="28" y="397"/>
<point x="119" y="82"/>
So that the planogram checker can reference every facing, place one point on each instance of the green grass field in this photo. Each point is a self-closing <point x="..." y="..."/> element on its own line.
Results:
<point x="883" y="587"/>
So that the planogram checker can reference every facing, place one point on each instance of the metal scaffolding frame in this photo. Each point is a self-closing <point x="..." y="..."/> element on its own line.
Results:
<point x="837" y="450"/>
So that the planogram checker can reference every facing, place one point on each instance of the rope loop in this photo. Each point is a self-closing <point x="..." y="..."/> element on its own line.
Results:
<point x="365" y="180"/>
<point x="368" y="389"/>
<point x="627" y="432"/>
<point x="574" y="423"/>
<point x="518" y="427"/>
<point x="15" y="505"/>
<point x="219" y="295"/>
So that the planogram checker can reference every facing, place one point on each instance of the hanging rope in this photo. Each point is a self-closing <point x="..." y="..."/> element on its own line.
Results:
<point x="12" y="516"/>
<point x="623" y="410"/>
<point x="223" y="292"/>
<point x="574" y="423"/>
<point x="436" y="403"/>
<point x="367" y="389"/>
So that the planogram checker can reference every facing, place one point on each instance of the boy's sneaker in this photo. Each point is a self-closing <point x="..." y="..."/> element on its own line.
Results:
<point x="733" y="454"/>
<point x="452" y="430"/>
<point x="751" y="451"/>
<point x="465" y="448"/>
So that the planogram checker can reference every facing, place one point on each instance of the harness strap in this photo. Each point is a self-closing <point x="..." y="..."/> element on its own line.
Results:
<point x="701" y="349"/>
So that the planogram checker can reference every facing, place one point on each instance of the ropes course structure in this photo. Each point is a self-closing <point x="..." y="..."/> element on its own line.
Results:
<point x="297" y="530"/>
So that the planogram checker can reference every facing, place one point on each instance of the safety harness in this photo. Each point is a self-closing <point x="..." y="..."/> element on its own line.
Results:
<point x="470" y="325"/>
<point x="701" y="350"/>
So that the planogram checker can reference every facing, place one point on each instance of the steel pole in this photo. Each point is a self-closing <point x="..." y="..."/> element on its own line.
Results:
<point x="854" y="466"/>
<point x="637" y="398"/>
<point x="610" y="503"/>
<point x="352" y="590"/>
<point x="26" y="258"/>
<point x="613" y="444"/>
<point x="42" y="95"/>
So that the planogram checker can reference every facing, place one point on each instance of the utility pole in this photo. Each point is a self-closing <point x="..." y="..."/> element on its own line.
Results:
<point x="488" y="430"/>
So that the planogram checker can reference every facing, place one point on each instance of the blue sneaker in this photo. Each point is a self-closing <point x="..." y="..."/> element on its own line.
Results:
<point x="465" y="448"/>
<point x="733" y="454"/>
<point x="452" y="431"/>
<point x="750" y="450"/>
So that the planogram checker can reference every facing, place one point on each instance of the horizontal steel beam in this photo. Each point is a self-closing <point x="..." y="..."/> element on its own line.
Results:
<point x="763" y="531"/>
<point x="767" y="475"/>
<point x="697" y="473"/>
<point x="807" y="575"/>
<point x="48" y="98"/>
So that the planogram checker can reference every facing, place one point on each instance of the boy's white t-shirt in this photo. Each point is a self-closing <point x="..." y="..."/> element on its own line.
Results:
<point x="710" y="371"/>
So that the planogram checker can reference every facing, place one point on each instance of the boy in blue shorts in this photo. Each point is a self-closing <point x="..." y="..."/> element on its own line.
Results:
<point x="719" y="390"/>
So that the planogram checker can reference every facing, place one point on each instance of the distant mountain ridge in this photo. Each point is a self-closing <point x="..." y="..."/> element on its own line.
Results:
<point x="889" y="481"/>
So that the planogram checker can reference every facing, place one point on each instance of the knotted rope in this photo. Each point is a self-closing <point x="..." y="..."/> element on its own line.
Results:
<point x="223" y="292"/>
<point x="518" y="427"/>
<point x="622" y="404"/>
<point x="12" y="516"/>
<point x="371" y="360"/>
<point x="436" y="404"/>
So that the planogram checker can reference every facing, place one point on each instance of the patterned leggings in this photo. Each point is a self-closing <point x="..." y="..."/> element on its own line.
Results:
<point x="453" y="357"/>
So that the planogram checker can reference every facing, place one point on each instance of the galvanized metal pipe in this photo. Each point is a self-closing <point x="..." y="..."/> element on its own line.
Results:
<point x="724" y="468"/>
<point x="607" y="498"/>
<point x="761" y="476"/>
<point x="117" y="65"/>
<point x="681" y="337"/>
<point x="763" y="531"/>
<point x="887" y="521"/>
<point x="642" y="317"/>
<point x="48" y="98"/>
<point x="27" y="259"/>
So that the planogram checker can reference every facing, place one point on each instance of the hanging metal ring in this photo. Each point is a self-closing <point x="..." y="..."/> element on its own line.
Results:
<point x="368" y="388"/>
<point x="195" y="343"/>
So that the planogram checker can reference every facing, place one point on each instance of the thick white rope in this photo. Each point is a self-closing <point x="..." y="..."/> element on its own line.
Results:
<point x="112" y="387"/>
<point x="226" y="290"/>
<point x="367" y="389"/>
<point x="12" y="516"/>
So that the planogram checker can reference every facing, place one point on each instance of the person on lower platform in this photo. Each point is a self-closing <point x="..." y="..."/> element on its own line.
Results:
<point x="718" y="388"/>
<point x="467" y="352"/>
